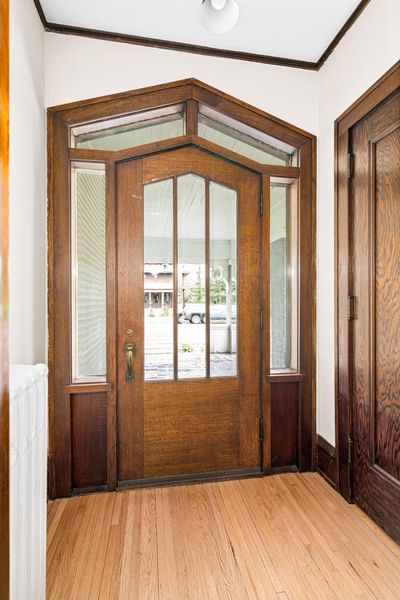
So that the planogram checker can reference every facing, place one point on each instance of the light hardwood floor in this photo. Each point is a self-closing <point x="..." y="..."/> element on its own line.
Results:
<point x="285" y="536"/>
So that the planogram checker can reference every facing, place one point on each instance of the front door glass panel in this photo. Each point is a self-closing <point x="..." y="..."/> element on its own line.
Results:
<point x="223" y="281"/>
<point x="190" y="279"/>
<point x="158" y="280"/>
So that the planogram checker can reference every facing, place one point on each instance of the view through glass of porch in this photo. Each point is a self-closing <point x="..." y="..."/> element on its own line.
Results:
<point x="190" y="265"/>
<point x="283" y="274"/>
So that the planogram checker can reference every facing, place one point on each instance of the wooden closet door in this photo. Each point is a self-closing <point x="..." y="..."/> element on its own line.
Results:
<point x="188" y="355"/>
<point x="376" y="326"/>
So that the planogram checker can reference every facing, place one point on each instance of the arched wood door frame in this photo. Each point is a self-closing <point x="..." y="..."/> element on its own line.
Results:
<point x="287" y="398"/>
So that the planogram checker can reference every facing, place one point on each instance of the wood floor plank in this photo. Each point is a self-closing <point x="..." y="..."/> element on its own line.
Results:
<point x="286" y="537"/>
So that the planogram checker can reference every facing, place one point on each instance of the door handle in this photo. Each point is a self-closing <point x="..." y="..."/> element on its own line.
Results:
<point x="130" y="350"/>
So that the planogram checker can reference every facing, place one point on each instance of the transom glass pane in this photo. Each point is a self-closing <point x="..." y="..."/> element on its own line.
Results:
<point x="88" y="273"/>
<point x="242" y="139"/>
<point x="132" y="130"/>
<point x="158" y="281"/>
<point x="223" y="281"/>
<point x="283" y="275"/>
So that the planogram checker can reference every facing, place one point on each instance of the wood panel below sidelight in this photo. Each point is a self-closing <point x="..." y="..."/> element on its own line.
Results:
<point x="89" y="441"/>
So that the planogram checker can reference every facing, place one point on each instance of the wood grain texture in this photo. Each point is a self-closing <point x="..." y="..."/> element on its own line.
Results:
<point x="376" y="328"/>
<point x="191" y="427"/>
<point x="285" y="425"/>
<point x="381" y="89"/>
<point x="4" y="241"/>
<point x="326" y="461"/>
<point x="187" y="427"/>
<point x="188" y="91"/>
<point x="387" y="306"/>
<point x="89" y="440"/>
<point x="285" y="536"/>
<point x="130" y="277"/>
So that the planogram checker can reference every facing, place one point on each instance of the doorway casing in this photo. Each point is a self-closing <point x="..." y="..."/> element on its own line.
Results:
<point x="287" y="399"/>
<point x="364" y="105"/>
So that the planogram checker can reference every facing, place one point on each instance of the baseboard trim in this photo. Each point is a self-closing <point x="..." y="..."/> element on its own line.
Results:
<point x="287" y="469"/>
<point x="326" y="461"/>
<point x="189" y="479"/>
<point x="89" y="490"/>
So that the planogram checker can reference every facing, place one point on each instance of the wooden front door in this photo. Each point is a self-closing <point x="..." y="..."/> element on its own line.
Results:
<point x="189" y="292"/>
<point x="376" y="325"/>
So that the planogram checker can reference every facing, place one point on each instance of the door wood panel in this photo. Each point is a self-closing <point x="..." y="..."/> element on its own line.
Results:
<point x="187" y="426"/>
<point x="89" y="440"/>
<point x="376" y="328"/>
<point x="387" y="319"/>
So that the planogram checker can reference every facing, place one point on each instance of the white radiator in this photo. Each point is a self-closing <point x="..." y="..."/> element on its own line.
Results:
<point x="28" y="481"/>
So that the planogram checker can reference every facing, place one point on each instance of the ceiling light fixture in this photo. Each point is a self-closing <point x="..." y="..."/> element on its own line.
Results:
<point x="218" y="16"/>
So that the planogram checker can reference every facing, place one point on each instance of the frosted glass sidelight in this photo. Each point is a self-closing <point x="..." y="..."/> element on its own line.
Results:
<point x="88" y="273"/>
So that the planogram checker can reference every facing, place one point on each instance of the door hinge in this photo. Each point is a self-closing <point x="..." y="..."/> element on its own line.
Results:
<point x="261" y="429"/>
<point x="351" y="302"/>
<point x="261" y="204"/>
<point x="350" y="450"/>
<point x="350" y="165"/>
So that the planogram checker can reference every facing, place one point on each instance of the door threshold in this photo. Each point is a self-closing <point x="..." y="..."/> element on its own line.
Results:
<point x="189" y="478"/>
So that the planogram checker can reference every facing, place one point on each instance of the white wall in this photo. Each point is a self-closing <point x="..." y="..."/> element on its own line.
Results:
<point x="27" y="186"/>
<point x="366" y="52"/>
<point x="78" y="68"/>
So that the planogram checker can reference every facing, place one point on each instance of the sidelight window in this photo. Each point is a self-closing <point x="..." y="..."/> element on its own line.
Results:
<point x="88" y="272"/>
<point x="283" y="274"/>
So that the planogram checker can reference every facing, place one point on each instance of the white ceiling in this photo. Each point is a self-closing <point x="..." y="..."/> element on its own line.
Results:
<point x="297" y="29"/>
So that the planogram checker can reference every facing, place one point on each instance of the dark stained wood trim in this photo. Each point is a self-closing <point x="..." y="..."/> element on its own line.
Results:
<point x="111" y="323"/>
<point x="266" y="335"/>
<point x="371" y="98"/>
<point x="91" y="155"/>
<point x="192" y="117"/>
<point x="326" y="446"/>
<point x="175" y="259"/>
<point x="203" y="50"/>
<point x="40" y="12"/>
<point x="285" y="377"/>
<point x="190" y="478"/>
<point x="342" y="32"/>
<point x="307" y="306"/>
<point x="137" y="40"/>
<point x="176" y="92"/>
<point x="88" y="388"/>
<point x="4" y="242"/>
<point x="383" y="88"/>
<point x="326" y="461"/>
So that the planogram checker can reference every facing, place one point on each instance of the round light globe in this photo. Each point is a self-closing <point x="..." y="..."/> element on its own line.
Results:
<point x="218" y="4"/>
<point x="218" y="16"/>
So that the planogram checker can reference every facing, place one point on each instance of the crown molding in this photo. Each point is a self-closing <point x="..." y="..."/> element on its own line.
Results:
<point x="203" y="50"/>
